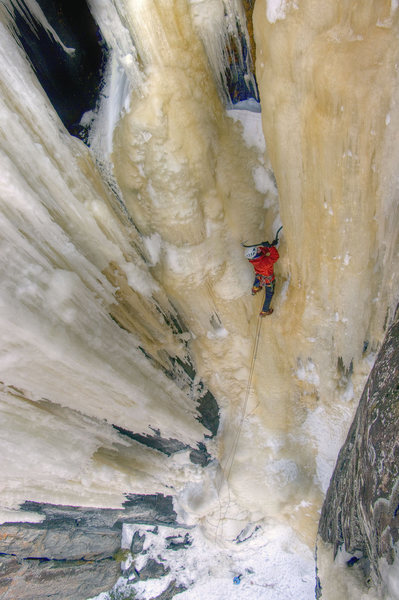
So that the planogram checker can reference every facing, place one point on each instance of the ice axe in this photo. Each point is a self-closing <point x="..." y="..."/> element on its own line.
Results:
<point x="274" y="242"/>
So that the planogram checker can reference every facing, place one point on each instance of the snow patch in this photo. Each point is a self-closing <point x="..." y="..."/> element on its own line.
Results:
<point x="252" y="128"/>
<point x="263" y="182"/>
<point x="269" y="562"/>
<point x="219" y="333"/>
<point x="325" y="428"/>
<point x="139" y="280"/>
<point x="308" y="372"/>
<point x="282" y="472"/>
<point x="153" y="246"/>
<point x="250" y="104"/>
<point x="284" y="290"/>
<point x="64" y="287"/>
<point x="390" y="576"/>
<point x="20" y="516"/>
<point x="276" y="10"/>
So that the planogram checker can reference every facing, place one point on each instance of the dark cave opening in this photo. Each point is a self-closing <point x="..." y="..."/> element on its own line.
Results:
<point x="72" y="80"/>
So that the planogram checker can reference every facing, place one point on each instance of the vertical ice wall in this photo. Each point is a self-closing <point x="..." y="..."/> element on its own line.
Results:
<point x="329" y="95"/>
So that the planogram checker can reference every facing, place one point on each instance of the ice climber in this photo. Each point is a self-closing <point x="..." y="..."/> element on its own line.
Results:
<point x="262" y="258"/>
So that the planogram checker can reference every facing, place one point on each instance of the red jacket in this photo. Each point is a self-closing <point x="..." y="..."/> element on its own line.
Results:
<point x="264" y="263"/>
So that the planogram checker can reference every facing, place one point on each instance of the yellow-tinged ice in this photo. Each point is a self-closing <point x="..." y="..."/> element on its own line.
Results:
<point x="329" y="88"/>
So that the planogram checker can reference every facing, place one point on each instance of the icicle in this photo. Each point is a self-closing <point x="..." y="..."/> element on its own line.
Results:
<point x="221" y="25"/>
<point x="30" y="8"/>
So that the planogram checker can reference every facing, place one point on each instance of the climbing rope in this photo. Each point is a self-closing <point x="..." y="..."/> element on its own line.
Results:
<point x="241" y="422"/>
<point x="247" y="393"/>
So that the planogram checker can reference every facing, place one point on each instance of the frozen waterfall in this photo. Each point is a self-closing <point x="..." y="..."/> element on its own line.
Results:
<point x="125" y="296"/>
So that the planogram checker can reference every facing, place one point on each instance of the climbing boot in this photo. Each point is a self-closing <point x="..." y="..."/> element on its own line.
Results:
<point x="264" y="313"/>
<point x="256" y="289"/>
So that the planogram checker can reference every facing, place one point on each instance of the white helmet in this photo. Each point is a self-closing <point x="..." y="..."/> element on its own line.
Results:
<point x="251" y="252"/>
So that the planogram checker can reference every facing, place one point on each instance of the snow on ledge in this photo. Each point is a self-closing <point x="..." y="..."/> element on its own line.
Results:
<point x="18" y="516"/>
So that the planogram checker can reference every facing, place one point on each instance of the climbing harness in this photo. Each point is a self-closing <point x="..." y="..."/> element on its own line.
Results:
<point x="253" y="245"/>
<point x="263" y="280"/>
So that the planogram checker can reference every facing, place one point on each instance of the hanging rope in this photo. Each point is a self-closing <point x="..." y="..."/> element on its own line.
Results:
<point x="246" y="397"/>
<point x="242" y="418"/>
<point x="233" y="452"/>
<point x="251" y="370"/>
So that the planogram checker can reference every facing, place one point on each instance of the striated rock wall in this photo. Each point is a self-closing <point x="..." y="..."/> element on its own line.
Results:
<point x="360" y="515"/>
<point x="73" y="553"/>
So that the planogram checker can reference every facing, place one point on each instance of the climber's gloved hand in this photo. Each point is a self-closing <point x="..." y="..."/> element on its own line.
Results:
<point x="274" y="242"/>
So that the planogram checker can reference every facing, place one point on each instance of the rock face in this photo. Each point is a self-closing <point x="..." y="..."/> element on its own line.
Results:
<point x="35" y="579"/>
<point x="361" y="509"/>
<point x="158" y="554"/>
<point x="72" y="554"/>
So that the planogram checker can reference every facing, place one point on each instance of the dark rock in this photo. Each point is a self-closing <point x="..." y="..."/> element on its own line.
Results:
<point x="247" y="533"/>
<point x="200" y="456"/>
<point x="137" y="508"/>
<point x="209" y="412"/>
<point x="164" y="445"/>
<point x="178" y="542"/>
<point x="155" y="509"/>
<point x="131" y="574"/>
<point x="9" y="566"/>
<point x="72" y="543"/>
<point x="157" y="559"/>
<point x="56" y="580"/>
<point x="171" y="591"/>
<point x="318" y="589"/>
<point x="360" y="509"/>
<point x="207" y="406"/>
<point x="137" y="544"/>
<point x="152" y="570"/>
